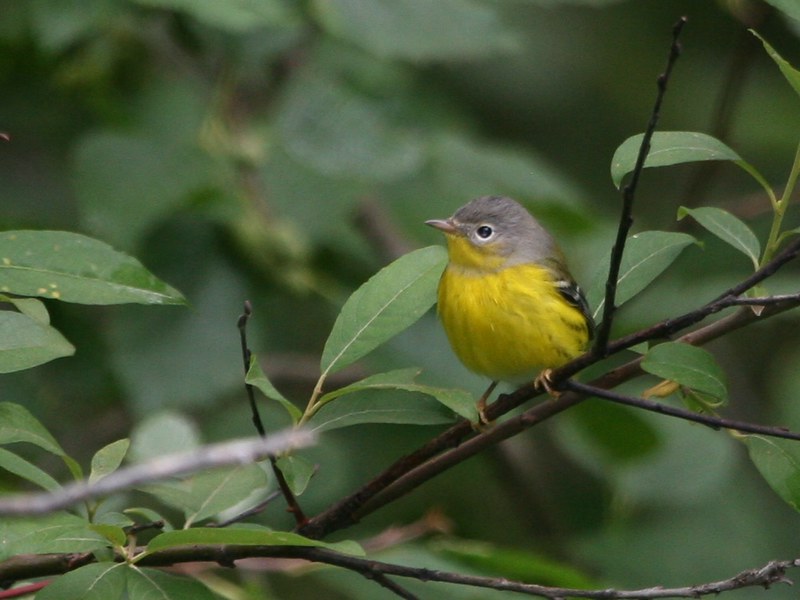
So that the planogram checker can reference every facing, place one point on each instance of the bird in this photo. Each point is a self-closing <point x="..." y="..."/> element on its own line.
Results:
<point x="508" y="304"/>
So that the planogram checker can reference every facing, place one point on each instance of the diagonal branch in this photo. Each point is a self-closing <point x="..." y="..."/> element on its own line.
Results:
<point x="628" y="193"/>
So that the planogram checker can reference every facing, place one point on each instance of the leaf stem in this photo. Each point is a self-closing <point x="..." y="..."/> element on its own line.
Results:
<point x="775" y="237"/>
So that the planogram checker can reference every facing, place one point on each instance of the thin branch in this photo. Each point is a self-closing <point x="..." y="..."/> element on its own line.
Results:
<point x="246" y="357"/>
<point x="765" y="576"/>
<point x="681" y="413"/>
<point x="628" y="193"/>
<point x="292" y="505"/>
<point x="236" y="452"/>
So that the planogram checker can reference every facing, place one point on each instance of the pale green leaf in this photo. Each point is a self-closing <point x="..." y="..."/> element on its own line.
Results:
<point x="687" y="365"/>
<point x="17" y="424"/>
<point x="297" y="471"/>
<point x="19" y="466"/>
<point x="113" y="533"/>
<point x="419" y="30"/>
<point x="31" y="307"/>
<point x="778" y="461"/>
<point x="790" y="8"/>
<point x="381" y="406"/>
<point x="212" y="492"/>
<point x="108" y="459"/>
<point x="728" y="228"/>
<point x="154" y="584"/>
<point x="99" y="581"/>
<point x="249" y="536"/>
<point x="646" y="256"/>
<point x="54" y="533"/>
<point x="75" y="268"/>
<point x="256" y="377"/>
<point x="236" y="16"/>
<point x="339" y="131"/>
<point x="459" y="401"/>
<point x="161" y="434"/>
<point x="791" y="74"/>
<point x="26" y="342"/>
<point x="669" y="148"/>
<point x="392" y="300"/>
<point x="126" y="183"/>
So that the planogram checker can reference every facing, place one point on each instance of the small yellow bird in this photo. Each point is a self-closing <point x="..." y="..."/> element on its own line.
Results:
<point x="509" y="306"/>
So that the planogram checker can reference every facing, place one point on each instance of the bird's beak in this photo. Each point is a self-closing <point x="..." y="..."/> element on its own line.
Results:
<point x="443" y="225"/>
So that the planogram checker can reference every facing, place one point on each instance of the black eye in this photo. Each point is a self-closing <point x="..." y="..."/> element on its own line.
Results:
<point x="484" y="232"/>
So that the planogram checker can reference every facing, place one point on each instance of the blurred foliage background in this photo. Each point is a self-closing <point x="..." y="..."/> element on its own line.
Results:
<point x="282" y="151"/>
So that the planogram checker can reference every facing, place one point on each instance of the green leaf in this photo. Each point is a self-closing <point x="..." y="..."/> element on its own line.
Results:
<point x="31" y="307"/>
<point x="19" y="466"/>
<point x="157" y="585"/>
<point x="118" y="581"/>
<point x="510" y="563"/>
<point x="113" y="533"/>
<point x="108" y="459"/>
<point x="75" y="268"/>
<point x="381" y="406"/>
<point x="297" y="471"/>
<point x="778" y="461"/>
<point x="726" y="227"/>
<point x="470" y="167"/>
<point x="125" y="184"/>
<point x="249" y="536"/>
<point x="789" y="7"/>
<point x="669" y="148"/>
<point x="26" y="342"/>
<point x="163" y="433"/>
<point x="418" y="30"/>
<point x="17" y="424"/>
<point x="55" y="533"/>
<point x="210" y="493"/>
<point x="791" y="74"/>
<point x="459" y="401"/>
<point x="646" y="256"/>
<point x="236" y="16"/>
<point x="256" y="377"/>
<point x="392" y="300"/>
<point x="339" y="131"/>
<point x="687" y="365"/>
<point x="101" y="581"/>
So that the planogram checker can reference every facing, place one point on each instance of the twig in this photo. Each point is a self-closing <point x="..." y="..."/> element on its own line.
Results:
<point x="236" y="452"/>
<point x="628" y="193"/>
<point x="680" y="413"/>
<point x="246" y="356"/>
<point x="29" y="566"/>
<point x="292" y="505"/>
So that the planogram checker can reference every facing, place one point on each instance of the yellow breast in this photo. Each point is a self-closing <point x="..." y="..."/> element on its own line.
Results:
<point x="509" y="324"/>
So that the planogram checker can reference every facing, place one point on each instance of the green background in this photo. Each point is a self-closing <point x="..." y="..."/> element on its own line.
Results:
<point x="283" y="151"/>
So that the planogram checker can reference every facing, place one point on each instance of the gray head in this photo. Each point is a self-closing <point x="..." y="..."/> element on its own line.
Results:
<point x="501" y="228"/>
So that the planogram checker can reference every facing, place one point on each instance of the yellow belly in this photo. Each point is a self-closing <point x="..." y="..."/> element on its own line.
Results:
<point x="510" y="324"/>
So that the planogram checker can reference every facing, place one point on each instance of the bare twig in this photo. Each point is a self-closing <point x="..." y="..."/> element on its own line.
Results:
<point x="292" y="505"/>
<point x="237" y="452"/>
<point x="628" y="193"/>
<point x="673" y="411"/>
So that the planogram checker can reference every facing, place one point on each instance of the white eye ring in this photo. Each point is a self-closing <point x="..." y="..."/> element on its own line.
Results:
<point x="484" y="232"/>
